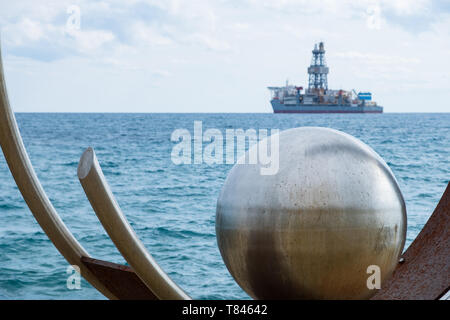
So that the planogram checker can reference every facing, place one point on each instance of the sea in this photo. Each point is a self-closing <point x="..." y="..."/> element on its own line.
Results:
<point x="172" y="206"/>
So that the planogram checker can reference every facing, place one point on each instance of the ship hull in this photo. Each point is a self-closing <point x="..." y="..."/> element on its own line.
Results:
<point x="310" y="108"/>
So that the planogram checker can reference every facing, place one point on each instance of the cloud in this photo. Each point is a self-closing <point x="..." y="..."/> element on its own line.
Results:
<point x="407" y="7"/>
<point x="240" y="46"/>
<point x="143" y="33"/>
<point x="27" y="30"/>
<point x="414" y="16"/>
<point x="202" y="23"/>
<point x="91" y="40"/>
<point x="208" y="42"/>
<point x="30" y="30"/>
<point x="378" y="59"/>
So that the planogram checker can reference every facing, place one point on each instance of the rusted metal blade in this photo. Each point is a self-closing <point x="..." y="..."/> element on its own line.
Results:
<point x="119" y="279"/>
<point x="425" y="271"/>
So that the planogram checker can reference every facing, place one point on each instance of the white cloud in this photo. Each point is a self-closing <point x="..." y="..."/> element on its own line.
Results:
<point x="90" y="41"/>
<point x="27" y="30"/>
<point x="208" y="41"/>
<point x="143" y="33"/>
<point x="239" y="46"/>
<point x="407" y="7"/>
<point x="30" y="29"/>
<point x="377" y="59"/>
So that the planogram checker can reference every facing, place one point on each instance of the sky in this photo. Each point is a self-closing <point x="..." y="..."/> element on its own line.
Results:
<point x="220" y="56"/>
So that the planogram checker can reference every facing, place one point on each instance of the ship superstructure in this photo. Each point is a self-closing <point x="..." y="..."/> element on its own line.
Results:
<point x="317" y="98"/>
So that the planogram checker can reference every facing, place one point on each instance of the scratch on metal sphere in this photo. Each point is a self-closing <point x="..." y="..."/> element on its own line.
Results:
<point x="312" y="230"/>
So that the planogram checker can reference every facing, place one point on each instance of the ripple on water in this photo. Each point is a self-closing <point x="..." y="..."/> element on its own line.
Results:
<point x="172" y="207"/>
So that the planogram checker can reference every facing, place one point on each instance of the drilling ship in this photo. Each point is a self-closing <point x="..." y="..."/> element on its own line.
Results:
<point x="317" y="98"/>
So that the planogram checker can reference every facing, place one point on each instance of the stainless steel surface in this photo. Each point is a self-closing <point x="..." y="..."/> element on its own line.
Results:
<point x="121" y="233"/>
<point x="311" y="231"/>
<point x="424" y="273"/>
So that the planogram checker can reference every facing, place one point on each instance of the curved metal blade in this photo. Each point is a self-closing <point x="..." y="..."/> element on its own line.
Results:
<point x="33" y="193"/>
<point x="121" y="233"/>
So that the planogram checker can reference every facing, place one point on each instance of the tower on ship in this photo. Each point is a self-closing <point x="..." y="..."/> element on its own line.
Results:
<point x="318" y="70"/>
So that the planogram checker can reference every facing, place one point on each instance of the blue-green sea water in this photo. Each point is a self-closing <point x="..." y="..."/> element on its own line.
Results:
<point x="172" y="208"/>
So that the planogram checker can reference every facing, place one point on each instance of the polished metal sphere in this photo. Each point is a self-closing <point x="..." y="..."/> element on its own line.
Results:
<point x="312" y="230"/>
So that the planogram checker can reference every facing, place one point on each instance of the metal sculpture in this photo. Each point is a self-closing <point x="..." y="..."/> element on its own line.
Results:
<point x="120" y="231"/>
<point x="146" y="280"/>
<point x="424" y="271"/>
<point x="311" y="231"/>
<point x="49" y="220"/>
<point x="33" y="193"/>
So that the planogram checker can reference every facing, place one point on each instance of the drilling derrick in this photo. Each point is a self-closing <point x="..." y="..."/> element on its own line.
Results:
<point x="318" y="69"/>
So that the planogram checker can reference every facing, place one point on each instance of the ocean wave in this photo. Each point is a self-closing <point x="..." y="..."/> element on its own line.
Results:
<point x="173" y="206"/>
<point x="182" y="234"/>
